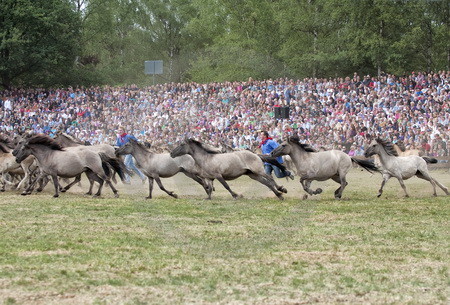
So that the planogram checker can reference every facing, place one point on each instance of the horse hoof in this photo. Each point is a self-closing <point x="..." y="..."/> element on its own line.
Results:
<point x="55" y="196"/>
<point x="280" y="197"/>
<point x="116" y="195"/>
<point x="282" y="189"/>
<point x="174" y="196"/>
<point x="318" y="191"/>
<point x="379" y="195"/>
<point x="305" y="197"/>
<point x="63" y="190"/>
<point x="2" y="191"/>
<point x="24" y="193"/>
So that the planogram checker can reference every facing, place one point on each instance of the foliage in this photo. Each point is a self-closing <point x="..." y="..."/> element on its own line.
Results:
<point x="38" y="41"/>
<point x="82" y="42"/>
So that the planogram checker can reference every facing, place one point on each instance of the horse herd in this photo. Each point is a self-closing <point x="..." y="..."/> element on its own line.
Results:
<point x="35" y="159"/>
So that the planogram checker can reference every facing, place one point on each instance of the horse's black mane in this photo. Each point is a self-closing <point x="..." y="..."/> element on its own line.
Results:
<point x="44" y="140"/>
<point x="4" y="148"/>
<point x="145" y="146"/>
<point x="6" y="141"/>
<point x="206" y="148"/>
<point x="72" y="138"/>
<point x="388" y="147"/>
<point x="401" y="145"/>
<point x="305" y="147"/>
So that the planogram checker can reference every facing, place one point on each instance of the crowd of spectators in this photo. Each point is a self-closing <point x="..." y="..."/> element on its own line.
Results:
<point x="335" y="113"/>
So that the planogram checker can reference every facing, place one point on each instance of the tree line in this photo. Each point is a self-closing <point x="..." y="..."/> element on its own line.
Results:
<point x="94" y="42"/>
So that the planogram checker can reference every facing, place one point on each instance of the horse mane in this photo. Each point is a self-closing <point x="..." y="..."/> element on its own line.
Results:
<point x="45" y="140"/>
<point x="207" y="148"/>
<point x="72" y="138"/>
<point x="6" y="141"/>
<point x="388" y="147"/>
<point x="305" y="147"/>
<point x="4" y="148"/>
<point x="144" y="145"/>
<point x="401" y="145"/>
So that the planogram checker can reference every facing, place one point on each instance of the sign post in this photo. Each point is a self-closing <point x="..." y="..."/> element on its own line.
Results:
<point x="153" y="67"/>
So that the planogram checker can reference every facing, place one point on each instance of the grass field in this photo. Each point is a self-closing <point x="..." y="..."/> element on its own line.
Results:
<point x="256" y="250"/>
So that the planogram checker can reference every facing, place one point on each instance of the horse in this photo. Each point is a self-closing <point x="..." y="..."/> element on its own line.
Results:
<point x="57" y="161"/>
<point x="401" y="168"/>
<point x="403" y="152"/>
<point x="323" y="165"/>
<point x="156" y="166"/>
<point x="227" y="166"/>
<point x="67" y="140"/>
<point x="9" y="165"/>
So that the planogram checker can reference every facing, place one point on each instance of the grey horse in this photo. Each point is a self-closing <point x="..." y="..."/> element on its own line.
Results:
<point x="227" y="166"/>
<point x="59" y="162"/>
<point x="320" y="166"/>
<point x="156" y="166"/>
<point x="401" y="168"/>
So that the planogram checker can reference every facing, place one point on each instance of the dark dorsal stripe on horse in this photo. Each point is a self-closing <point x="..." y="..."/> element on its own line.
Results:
<point x="388" y="147"/>
<point x="46" y="141"/>
<point x="305" y="147"/>
<point x="204" y="147"/>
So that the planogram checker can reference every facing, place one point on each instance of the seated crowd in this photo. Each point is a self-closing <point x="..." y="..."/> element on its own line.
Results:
<point x="340" y="113"/>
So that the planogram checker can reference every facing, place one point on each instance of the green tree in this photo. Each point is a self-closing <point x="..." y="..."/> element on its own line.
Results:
<point x="38" y="41"/>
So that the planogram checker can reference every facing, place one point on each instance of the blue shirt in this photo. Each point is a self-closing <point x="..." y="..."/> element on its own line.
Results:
<point x="268" y="146"/>
<point x="122" y="140"/>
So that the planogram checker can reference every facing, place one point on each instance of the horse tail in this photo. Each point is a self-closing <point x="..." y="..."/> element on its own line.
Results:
<point x="368" y="165"/>
<point x="115" y="163"/>
<point x="273" y="161"/>
<point x="430" y="160"/>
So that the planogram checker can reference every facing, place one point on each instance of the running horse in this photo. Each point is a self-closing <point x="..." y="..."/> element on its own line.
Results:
<point x="320" y="166"/>
<point x="227" y="166"/>
<point x="401" y="168"/>
<point x="57" y="161"/>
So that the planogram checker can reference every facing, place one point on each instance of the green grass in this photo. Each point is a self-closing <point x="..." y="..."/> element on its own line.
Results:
<point x="256" y="250"/>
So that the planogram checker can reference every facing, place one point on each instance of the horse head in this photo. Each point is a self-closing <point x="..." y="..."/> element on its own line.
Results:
<point x="126" y="149"/>
<point x="283" y="149"/>
<point x="373" y="149"/>
<point x="180" y="150"/>
<point x="22" y="151"/>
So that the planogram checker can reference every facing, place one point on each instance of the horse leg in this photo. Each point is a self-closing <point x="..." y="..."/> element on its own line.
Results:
<point x="343" y="182"/>
<point x="280" y="188"/>
<point x="56" y="185"/>
<point x="161" y="186"/>
<point x="225" y="185"/>
<point x="111" y="186"/>
<point x="208" y="187"/>
<point x="150" y="187"/>
<point x="426" y="176"/>
<point x="270" y="184"/>
<point x="67" y="187"/>
<point x="306" y="187"/>
<point x="197" y="179"/>
<point x="400" y="180"/>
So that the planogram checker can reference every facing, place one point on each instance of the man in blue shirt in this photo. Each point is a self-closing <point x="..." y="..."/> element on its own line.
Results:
<point x="267" y="146"/>
<point x="123" y="139"/>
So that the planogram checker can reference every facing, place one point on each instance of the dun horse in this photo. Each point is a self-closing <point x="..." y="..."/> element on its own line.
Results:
<point x="401" y="168"/>
<point x="227" y="166"/>
<point x="320" y="166"/>
<point x="156" y="166"/>
<point x="58" y="162"/>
